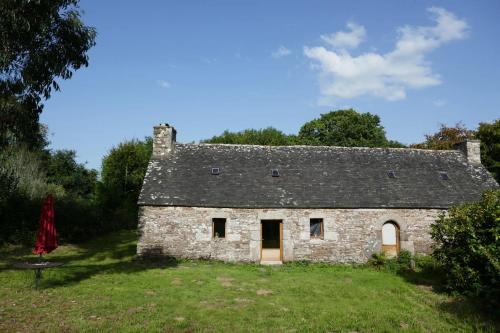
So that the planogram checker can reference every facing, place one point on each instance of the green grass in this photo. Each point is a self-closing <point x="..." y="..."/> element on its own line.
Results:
<point x="102" y="288"/>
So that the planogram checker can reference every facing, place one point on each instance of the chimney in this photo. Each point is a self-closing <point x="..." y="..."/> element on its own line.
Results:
<point x="163" y="140"/>
<point x="471" y="149"/>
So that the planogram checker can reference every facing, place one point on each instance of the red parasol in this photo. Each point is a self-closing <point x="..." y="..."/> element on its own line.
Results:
<point x="46" y="240"/>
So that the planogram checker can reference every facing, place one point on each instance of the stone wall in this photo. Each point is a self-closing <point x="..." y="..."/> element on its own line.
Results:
<point x="350" y="235"/>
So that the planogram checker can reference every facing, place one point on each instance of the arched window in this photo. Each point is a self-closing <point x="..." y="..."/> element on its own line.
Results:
<point x="390" y="238"/>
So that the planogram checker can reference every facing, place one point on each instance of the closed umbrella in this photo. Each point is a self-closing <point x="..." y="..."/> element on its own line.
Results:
<point x="46" y="240"/>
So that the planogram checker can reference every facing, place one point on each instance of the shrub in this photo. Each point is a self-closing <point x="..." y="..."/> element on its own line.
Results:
<point x="467" y="245"/>
<point x="378" y="260"/>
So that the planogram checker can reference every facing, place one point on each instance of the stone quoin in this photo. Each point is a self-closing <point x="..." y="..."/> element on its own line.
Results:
<point x="244" y="203"/>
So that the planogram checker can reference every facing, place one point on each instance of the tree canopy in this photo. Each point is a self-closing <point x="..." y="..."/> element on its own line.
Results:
<point x="489" y="134"/>
<point x="40" y="42"/>
<point x="446" y="137"/>
<point x="346" y="128"/>
<point x="337" y="128"/>
<point x="267" y="136"/>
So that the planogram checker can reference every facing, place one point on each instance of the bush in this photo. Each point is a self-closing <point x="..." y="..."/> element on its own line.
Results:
<point x="378" y="260"/>
<point x="467" y="246"/>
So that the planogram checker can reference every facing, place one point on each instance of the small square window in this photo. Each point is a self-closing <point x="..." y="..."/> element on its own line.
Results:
<point x="316" y="228"/>
<point x="215" y="171"/>
<point x="275" y="173"/>
<point x="219" y="228"/>
<point x="444" y="175"/>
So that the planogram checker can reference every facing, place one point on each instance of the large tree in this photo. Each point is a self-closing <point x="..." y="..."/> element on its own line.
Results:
<point x="267" y="136"/>
<point x="346" y="128"/>
<point x="123" y="171"/>
<point x="40" y="42"/>
<point x="489" y="134"/>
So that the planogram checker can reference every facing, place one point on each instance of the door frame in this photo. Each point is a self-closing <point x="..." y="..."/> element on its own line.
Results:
<point x="398" y="237"/>
<point x="281" y="235"/>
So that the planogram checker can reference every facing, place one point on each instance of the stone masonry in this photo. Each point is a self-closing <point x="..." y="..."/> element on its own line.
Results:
<point x="350" y="235"/>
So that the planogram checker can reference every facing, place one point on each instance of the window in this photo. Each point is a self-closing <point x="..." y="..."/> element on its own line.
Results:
<point x="444" y="175"/>
<point x="316" y="228"/>
<point x="215" y="171"/>
<point x="275" y="173"/>
<point x="219" y="228"/>
<point x="391" y="174"/>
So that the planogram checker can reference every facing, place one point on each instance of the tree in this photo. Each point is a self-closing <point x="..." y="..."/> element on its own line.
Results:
<point x="346" y="128"/>
<point x="267" y="136"/>
<point x="467" y="246"/>
<point x="40" y="42"/>
<point x="489" y="134"/>
<point x="123" y="171"/>
<point x="75" y="178"/>
<point x="445" y="138"/>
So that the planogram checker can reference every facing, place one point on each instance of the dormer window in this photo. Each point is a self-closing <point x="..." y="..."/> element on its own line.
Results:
<point x="215" y="171"/>
<point x="275" y="173"/>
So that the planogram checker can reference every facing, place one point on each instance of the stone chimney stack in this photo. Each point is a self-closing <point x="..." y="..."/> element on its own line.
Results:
<point x="163" y="140"/>
<point x="471" y="150"/>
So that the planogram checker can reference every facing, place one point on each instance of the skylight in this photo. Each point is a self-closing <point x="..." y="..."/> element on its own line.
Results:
<point x="444" y="175"/>
<point x="215" y="171"/>
<point x="391" y="174"/>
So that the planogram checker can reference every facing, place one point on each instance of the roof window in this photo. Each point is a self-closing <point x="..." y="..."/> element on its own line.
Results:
<point x="275" y="173"/>
<point x="444" y="175"/>
<point x="391" y="174"/>
<point x="215" y="171"/>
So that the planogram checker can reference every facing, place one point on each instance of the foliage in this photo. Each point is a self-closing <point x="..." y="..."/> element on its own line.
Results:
<point x="75" y="178"/>
<point x="377" y="260"/>
<point x="123" y="171"/>
<point x="40" y="41"/>
<point x="267" y="136"/>
<point x="445" y="138"/>
<point x="468" y="247"/>
<point x="346" y="128"/>
<point x="489" y="134"/>
<point x="105" y="290"/>
<point x="337" y="128"/>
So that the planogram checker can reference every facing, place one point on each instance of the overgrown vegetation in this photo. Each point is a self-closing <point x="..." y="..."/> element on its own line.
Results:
<point x="468" y="248"/>
<point x="101" y="288"/>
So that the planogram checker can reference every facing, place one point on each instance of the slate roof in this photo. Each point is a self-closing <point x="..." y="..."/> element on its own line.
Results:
<point x="311" y="177"/>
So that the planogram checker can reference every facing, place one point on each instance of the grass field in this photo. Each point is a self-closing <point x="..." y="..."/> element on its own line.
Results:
<point x="102" y="288"/>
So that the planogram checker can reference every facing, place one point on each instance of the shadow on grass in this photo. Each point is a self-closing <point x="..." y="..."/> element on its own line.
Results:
<point x="111" y="254"/>
<point x="465" y="308"/>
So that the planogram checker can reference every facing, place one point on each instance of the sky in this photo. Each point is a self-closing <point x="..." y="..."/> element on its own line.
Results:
<point x="208" y="66"/>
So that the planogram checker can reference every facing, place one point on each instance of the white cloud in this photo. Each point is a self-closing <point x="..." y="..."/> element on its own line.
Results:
<point x="164" y="84"/>
<point x="387" y="75"/>
<point x="350" y="39"/>
<point x="439" y="103"/>
<point x="281" y="52"/>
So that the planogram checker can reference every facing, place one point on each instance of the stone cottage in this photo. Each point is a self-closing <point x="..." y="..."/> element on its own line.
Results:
<point x="332" y="204"/>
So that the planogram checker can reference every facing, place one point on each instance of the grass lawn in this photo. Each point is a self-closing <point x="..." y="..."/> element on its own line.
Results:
<point x="102" y="288"/>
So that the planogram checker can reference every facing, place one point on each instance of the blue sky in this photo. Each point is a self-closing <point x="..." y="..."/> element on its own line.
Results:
<point x="207" y="66"/>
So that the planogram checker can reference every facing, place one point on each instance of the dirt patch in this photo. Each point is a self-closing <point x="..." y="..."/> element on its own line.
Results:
<point x="176" y="282"/>
<point x="225" y="281"/>
<point x="135" y="309"/>
<point x="264" y="292"/>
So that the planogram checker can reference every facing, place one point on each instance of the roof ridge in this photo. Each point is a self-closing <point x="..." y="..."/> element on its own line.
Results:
<point x="313" y="146"/>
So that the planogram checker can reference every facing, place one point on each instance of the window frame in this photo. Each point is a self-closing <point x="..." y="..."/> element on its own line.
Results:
<point x="322" y="228"/>
<point x="219" y="220"/>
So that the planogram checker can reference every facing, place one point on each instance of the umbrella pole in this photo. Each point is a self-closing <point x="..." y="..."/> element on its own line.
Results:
<point x="38" y="273"/>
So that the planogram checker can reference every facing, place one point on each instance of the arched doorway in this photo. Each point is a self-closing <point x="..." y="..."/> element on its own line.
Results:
<point x="390" y="239"/>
